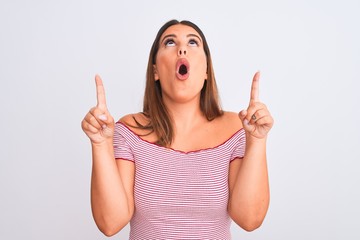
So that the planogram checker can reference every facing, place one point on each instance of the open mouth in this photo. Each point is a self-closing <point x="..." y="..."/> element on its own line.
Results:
<point x="182" y="69"/>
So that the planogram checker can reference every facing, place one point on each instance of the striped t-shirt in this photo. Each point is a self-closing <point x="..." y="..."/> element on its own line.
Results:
<point x="179" y="195"/>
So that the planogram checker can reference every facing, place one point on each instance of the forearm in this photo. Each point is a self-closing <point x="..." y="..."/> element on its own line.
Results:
<point x="108" y="196"/>
<point x="249" y="197"/>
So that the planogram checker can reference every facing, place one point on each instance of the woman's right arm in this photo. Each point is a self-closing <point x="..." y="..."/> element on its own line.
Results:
<point x="112" y="181"/>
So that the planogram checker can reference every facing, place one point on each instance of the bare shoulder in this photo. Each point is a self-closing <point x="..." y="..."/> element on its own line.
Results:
<point x="223" y="128"/>
<point x="133" y="118"/>
<point x="137" y="123"/>
<point x="230" y="122"/>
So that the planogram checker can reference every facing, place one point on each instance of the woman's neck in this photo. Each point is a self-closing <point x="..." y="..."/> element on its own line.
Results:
<point x="185" y="116"/>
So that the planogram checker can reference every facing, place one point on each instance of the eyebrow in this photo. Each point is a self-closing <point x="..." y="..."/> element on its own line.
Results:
<point x="173" y="35"/>
<point x="194" y="35"/>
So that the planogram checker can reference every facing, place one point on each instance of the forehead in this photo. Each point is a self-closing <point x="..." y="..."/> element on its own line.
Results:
<point x="180" y="30"/>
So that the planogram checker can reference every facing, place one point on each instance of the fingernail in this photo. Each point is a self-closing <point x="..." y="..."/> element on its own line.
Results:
<point x="104" y="126"/>
<point x="246" y="121"/>
<point x="102" y="117"/>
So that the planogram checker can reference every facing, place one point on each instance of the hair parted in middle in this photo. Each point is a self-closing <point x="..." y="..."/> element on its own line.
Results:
<point x="154" y="108"/>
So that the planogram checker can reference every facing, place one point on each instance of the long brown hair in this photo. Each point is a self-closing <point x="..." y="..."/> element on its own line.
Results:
<point x="154" y="108"/>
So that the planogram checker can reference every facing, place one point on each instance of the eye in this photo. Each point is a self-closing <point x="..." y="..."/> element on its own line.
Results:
<point x="169" y="42"/>
<point x="193" y="43"/>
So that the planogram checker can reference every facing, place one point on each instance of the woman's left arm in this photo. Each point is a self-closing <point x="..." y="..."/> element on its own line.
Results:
<point x="248" y="178"/>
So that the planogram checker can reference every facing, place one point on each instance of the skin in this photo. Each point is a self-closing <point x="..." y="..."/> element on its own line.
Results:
<point x="175" y="45"/>
<point x="112" y="182"/>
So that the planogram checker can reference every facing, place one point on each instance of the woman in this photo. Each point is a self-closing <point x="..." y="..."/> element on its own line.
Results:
<point x="182" y="168"/>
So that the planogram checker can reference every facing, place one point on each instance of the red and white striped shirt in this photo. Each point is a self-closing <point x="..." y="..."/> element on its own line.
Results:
<point x="179" y="195"/>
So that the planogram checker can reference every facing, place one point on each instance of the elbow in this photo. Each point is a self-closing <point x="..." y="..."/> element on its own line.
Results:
<point x="110" y="227"/>
<point x="247" y="215"/>
<point x="248" y="218"/>
<point x="110" y="230"/>
<point x="248" y="223"/>
<point x="110" y="223"/>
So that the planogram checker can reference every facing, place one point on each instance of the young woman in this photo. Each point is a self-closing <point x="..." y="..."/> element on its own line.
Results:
<point x="183" y="168"/>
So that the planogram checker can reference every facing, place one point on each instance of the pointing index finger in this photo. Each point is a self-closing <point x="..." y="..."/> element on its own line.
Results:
<point x="100" y="93"/>
<point x="254" y="95"/>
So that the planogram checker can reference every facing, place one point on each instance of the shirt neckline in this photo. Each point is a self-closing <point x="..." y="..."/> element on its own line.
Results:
<point x="177" y="150"/>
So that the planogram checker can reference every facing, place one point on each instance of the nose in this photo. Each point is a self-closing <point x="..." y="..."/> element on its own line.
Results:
<point x="182" y="52"/>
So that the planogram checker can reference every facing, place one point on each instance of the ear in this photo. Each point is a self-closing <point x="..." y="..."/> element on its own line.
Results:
<point x="206" y="72"/>
<point x="156" y="75"/>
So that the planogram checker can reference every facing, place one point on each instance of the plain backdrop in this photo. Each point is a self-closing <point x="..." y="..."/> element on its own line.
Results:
<point x="309" y="55"/>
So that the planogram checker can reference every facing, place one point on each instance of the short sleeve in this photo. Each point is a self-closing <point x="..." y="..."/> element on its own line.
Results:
<point x="122" y="149"/>
<point x="239" y="147"/>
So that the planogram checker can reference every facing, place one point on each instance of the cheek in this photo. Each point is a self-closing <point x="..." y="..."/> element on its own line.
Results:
<point x="202" y="65"/>
<point x="163" y="63"/>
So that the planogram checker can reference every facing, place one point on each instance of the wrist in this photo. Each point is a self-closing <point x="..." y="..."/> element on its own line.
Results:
<point x="105" y="143"/>
<point x="250" y="139"/>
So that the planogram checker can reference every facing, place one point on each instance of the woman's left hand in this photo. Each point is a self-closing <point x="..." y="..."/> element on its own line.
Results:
<point x="256" y="119"/>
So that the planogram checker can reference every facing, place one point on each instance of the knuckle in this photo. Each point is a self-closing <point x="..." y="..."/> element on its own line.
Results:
<point x="92" y="109"/>
<point x="259" y="105"/>
<point x="91" y="118"/>
<point x="252" y="104"/>
<point x="262" y="112"/>
<point x="95" y="111"/>
<point x="83" y="124"/>
<point x="93" y="130"/>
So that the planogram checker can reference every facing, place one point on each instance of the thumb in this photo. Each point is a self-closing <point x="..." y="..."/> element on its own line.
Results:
<point x="106" y="120"/>
<point x="242" y="115"/>
<point x="246" y="125"/>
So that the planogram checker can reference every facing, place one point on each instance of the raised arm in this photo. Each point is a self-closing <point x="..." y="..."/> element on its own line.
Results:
<point x="111" y="181"/>
<point x="248" y="178"/>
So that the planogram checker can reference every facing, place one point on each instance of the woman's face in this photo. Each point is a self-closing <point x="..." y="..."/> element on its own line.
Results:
<point x="181" y="64"/>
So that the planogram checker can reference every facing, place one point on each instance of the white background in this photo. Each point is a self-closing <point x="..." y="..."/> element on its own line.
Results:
<point x="309" y="55"/>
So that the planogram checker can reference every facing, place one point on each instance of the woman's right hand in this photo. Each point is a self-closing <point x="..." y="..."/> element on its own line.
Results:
<point x="98" y="124"/>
